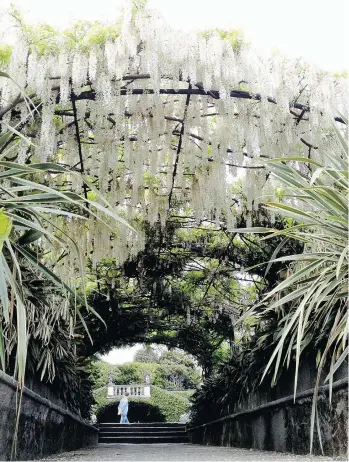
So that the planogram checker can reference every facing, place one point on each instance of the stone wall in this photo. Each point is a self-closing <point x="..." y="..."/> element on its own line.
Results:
<point x="44" y="427"/>
<point x="272" y="420"/>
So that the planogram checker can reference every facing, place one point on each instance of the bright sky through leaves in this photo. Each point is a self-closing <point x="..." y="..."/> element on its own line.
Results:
<point x="314" y="29"/>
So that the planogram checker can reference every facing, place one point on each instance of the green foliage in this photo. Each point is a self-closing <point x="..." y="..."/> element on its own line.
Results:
<point x="177" y="376"/>
<point x="177" y="290"/>
<point x="173" y="358"/>
<point x="135" y="372"/>
<point x="171" y="405"/>
<point x="137" y="5"/>
<point x="86" y="34"/>
<point x="316" y="292"/>
<point x="5" y="55"/>
<point x="235" y="379"/>
<point x="123" y="374"/>
<point x="342" y="74"/>
<point x="19" y="249"/>
<point x="222" y="354"/>
<point x="146" y="355"/>
<point x="99" y="373"/>
<point x="187" y="394"/>
<point x="101" y="401"/>
<point x="25" y="234"/>
<point x="234" y="36"/>
<point x="45" y="39"/>
<point x="175" y="371"/>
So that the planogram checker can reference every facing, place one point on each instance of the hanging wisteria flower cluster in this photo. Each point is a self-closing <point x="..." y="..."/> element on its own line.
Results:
<point x="162" y="121"/>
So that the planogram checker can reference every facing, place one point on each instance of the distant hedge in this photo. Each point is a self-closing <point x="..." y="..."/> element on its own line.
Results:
<point x="171" y="405"/>
<point x="139" y="411"/>
<point x="161" y="407"/>
<point x="183" y="393"/>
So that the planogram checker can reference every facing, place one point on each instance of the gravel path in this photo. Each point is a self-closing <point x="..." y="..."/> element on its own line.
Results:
<point x="175" y="452"/>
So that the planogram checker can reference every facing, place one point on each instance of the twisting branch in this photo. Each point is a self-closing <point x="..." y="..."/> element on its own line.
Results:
<point x="91" y="95"/>
<point x="308" y="144"/>
<point x="11" y="105"/>
<point x="310" y="147"/>
<point x="301" y="91"/>
<point x="179" y="147"/>
<point x="210" y="159"/>
<point x="78" y="140"/>
<point x="300" y="117"/>
<point x="240" y="94"/>
<point x="200" y="86"/>
<point x="218" y="266"/>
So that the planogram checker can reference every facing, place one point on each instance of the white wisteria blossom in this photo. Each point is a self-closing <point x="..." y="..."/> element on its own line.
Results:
<point x="160" y="120"/>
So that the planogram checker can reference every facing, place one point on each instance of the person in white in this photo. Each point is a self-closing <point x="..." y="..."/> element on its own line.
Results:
<point x="123" y="409"/>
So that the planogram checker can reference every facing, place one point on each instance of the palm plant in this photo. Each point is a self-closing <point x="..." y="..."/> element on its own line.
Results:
<point x="29" y="208"/>
<point x="311" y="303"/>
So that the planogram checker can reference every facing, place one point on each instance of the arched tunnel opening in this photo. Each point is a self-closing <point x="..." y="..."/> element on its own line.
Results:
<point x="161" y="382"/>
<point x="185" y="290"/>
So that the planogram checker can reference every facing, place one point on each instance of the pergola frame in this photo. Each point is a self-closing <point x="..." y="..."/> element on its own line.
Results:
<point x="64" y="100"/>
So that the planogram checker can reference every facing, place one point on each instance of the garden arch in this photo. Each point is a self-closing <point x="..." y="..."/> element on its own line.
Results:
<point x="160" y="122"/>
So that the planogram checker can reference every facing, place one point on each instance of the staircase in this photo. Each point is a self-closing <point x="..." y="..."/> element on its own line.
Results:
<point x="142" y="433"/>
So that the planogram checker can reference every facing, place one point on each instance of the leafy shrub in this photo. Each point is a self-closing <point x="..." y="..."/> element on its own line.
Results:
<point x="171" y="405"/>
<point x="187" y="394"/>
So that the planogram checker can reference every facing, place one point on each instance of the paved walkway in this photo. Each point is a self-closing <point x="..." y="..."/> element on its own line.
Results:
<point x="176" y="452"/>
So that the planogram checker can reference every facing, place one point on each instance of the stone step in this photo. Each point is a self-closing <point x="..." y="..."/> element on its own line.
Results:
<point x="148" y="424"/>
<point x="163" y="433"/>
<point x="128" y="428"/>
<point x="141" y="431"/>
<point x="146" y="433"/>
<point x="143" y="439"/>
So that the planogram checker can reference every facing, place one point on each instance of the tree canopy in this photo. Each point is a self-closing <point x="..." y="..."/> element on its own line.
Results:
<point x="146" y="355"/>
<point x="174" y="370"/>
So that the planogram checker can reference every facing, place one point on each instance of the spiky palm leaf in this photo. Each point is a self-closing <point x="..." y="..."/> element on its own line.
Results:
<point x="313" y="298"/>
<point x="27" y="209"/>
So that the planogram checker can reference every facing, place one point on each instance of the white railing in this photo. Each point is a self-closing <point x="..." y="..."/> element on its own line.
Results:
<point x="134" y="391"/>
